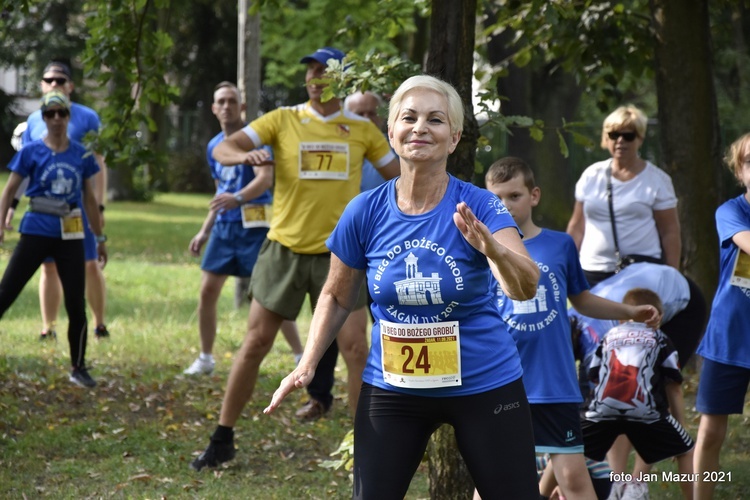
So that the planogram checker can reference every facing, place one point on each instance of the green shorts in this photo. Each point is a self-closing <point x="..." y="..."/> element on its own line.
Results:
<point x="282" y="278"/>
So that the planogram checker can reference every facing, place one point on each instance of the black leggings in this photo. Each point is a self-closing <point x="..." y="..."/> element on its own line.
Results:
<point x="686" y="328"/>
<point x="28" y="255"/>
<point x="493" y="431"/>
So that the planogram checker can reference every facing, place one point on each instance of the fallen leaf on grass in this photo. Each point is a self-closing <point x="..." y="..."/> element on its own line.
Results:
<point x="140" y="477"/>
<point x="134" y="407"/>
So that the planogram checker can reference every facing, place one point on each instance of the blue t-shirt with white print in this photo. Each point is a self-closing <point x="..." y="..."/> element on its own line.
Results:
<point x="727" y="338"/>
<point x="231" y="179"/>
<point x="540" y="326"/>
<point x="421" y="271"/>
<point x="53" y="175"/>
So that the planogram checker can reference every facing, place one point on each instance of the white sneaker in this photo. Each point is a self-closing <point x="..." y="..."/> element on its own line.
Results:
<point x="618" y="488"/>
<point x="635" y="491"/>
<point x="201" y="367"/>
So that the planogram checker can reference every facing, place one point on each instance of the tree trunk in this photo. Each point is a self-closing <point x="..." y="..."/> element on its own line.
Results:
<point x="248" y="63"/>
<point x="689" y="129"/>
<point x="449" y="479"/>
<point x="550" y="96"/>
<point x="451" y="58"/>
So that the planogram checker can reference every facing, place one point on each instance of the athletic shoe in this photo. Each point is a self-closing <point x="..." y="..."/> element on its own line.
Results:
<point x="618" y="488"/>
<point x="80" y="376"/>
<point x="101" y="332"/>
<point x="312" y="410"/>
<point x="48" y="335"/>
<point x="201" y="367"/>
<point x="635" y="491"/>
<point x="217" y="453"/>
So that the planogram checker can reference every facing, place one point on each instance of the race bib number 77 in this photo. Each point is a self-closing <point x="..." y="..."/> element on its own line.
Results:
<point x="421" y="356"/>
<point x="324" y="160"/>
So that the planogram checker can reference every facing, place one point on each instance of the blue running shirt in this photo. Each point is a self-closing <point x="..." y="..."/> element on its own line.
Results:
<point x="727" y="338"/>
<point x="53" y="175"/>
<point x="540" y="326"/>
<point x="232" y="179"/>
<point x="421" y="271"/>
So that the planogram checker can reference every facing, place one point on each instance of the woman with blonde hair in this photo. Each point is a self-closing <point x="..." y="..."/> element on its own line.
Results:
<point x="441" y="353"/>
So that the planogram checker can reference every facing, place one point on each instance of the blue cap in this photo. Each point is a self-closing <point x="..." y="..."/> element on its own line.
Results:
<point x="323" y="55"/>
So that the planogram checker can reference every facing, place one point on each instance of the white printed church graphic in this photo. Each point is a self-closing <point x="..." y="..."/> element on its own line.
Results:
<point x="537" y="304"/>
<point x="61" y="185"/>
<point x="416" y="289"/>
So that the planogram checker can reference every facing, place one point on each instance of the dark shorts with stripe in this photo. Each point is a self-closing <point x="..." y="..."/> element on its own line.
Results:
<point x="654" y="441"/>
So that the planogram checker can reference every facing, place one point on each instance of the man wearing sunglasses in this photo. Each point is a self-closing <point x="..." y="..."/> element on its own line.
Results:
<point x="57" y="76"/>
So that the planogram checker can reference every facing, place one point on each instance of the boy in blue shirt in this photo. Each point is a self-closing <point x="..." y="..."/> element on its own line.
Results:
<point x="725" y="348"/>
<point x="541" y="328"/>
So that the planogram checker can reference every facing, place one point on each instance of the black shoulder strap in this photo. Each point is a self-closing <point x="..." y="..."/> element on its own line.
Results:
<point x="612" y="211"/>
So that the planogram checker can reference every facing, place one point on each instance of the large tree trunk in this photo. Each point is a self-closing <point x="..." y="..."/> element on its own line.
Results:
<point x="451" y="58"/>
<point x="689" y="129"/>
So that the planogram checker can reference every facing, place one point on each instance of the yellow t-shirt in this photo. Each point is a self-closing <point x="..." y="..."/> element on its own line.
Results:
<point x="318" y="169"/>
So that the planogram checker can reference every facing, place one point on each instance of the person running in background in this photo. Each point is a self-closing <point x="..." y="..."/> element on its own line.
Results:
<point x="62" y="204"/>
<point x="319" y="148"/>
<point x="57" y="76"/>
<point x="541" y="329"/>
<point x="235" y="228"/>
<point x="725" y="374"/>
<point x="638" y="393"/>
<point x="365" y="105"/>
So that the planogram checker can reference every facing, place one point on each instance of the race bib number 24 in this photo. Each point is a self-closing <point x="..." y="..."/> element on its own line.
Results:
<point x="421" y="356"/>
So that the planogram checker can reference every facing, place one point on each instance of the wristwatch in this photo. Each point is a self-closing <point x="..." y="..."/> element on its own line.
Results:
<point x="238" y="197"/>
<point x="101" y="238"/>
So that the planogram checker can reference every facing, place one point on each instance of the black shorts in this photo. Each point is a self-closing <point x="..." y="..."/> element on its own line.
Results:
<point x="557" y="428"/>
<point x="656" y="441"/>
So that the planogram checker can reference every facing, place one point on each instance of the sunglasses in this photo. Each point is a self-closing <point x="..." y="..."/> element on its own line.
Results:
<point x="57" y="80"/>
<point x="51" y="113"/>
<point x="626" y="136"/>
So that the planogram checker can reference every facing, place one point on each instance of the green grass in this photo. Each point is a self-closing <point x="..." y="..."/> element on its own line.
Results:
<point x="135" y="434"/>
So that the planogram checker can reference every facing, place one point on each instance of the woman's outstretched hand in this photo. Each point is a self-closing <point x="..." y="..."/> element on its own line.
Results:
<point x="299" y="378"/>
<point x="474" y="230"/>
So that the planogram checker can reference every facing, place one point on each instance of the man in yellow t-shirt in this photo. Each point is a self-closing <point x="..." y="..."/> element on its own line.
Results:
<point x="319" y="149"/>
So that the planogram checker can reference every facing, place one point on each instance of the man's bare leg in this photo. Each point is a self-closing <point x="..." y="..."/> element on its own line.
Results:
<point x="96" y="293"/>
<point x="291" y="334"/>
<point x="50" y="295"/>
<point x="262" y="326"/>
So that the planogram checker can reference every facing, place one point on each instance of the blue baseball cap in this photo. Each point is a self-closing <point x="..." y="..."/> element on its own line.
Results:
<point x="323" y="55"/>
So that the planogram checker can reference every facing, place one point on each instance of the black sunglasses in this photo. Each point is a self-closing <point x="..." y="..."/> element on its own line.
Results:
<point x="61" y="112"/>
<point x="627" y="136"/>
<point x="57" y="80"/>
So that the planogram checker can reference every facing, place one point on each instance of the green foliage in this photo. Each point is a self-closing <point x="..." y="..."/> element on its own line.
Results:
<point x="373" y="72"/>
<point x="606" y="45"/>
<point x="34" y="31"/>
<point x="345" y="452"/>
<point x="127" y="55"/>
<point x="367" y="31"/>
